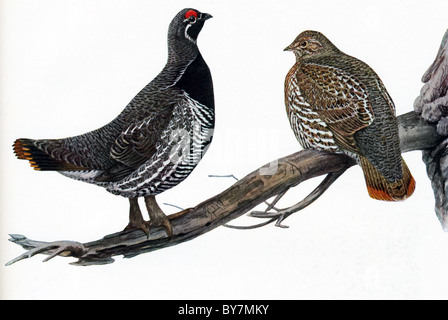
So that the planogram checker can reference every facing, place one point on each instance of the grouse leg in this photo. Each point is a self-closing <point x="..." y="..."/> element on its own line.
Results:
<point x="136" y="220"/>
<point x="156" y="215"/>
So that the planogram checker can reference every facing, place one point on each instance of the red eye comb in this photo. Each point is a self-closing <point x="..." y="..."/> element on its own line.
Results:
<point x="191" y="13"/>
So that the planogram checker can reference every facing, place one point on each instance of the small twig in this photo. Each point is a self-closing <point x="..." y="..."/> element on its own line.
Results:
<point x="174" y="206"/>
<point x="222" y="176"/>
<point x="313" y="196"/>
<point x="255" y="226"/>
<point x="277" y="199"/>
<point x="270" y="207"/>
<point x="282" y="214"/>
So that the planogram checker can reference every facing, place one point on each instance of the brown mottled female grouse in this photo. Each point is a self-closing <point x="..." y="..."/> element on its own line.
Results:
<point x="337" y="103"/>
<point x="155" y="142"/>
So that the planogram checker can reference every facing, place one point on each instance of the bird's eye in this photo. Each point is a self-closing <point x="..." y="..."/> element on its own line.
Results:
<point x="303" y="44"/>
<point x="191" y="16"/>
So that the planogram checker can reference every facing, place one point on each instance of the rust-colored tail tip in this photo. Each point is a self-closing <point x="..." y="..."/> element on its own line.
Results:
<point x="23" y="151"/>
<point x="411" y="187"/>
<point x="20" y="150"/>
<point x="381" y="189"/>
<point x="388" y="195"/>
<point x="379" y="194"/>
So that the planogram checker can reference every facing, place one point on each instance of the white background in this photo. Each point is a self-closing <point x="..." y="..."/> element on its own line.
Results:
<point x="68" y="67"/>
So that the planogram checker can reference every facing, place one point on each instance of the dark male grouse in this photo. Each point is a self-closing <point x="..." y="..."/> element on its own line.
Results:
<point x="155" y="142"/>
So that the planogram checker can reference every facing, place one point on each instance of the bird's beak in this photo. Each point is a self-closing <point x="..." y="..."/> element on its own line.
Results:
<point x="206" y="16"/>
<point x="289" y="48"/>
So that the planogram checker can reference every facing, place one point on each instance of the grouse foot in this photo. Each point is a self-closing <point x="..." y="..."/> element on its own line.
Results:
<point x="136" y="221"/>
<point x="156" y="215"/>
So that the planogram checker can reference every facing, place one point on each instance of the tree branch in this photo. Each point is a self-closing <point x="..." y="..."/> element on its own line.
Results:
<point x="248" y="192"/>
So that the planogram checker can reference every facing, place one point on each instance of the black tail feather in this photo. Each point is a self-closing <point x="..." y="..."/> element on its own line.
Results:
<point x="26" y="149"/>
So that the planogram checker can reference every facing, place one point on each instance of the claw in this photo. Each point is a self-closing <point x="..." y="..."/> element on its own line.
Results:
<point x="156" y="217"/>
<point x="163" y="223"/>
<point x="141" y="225"/>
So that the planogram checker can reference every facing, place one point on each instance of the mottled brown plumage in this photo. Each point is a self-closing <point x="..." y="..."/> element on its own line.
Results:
<point x="337" y="103"/>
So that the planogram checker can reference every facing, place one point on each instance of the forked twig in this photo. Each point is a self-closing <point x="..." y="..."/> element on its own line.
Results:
<point x="281" y="215"/>
<point x="53" y="249"/>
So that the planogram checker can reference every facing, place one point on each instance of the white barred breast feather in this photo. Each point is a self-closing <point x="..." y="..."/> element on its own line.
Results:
<point x="182" y="145"/>
<point x="310" y="130"/>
